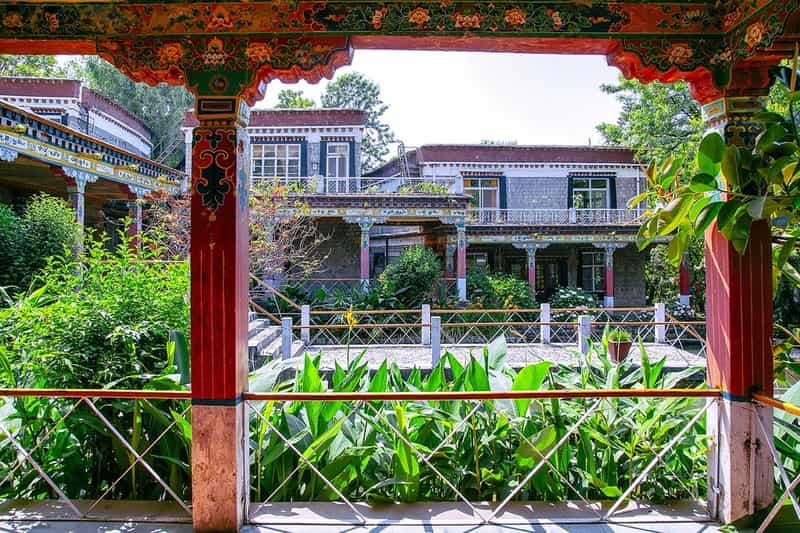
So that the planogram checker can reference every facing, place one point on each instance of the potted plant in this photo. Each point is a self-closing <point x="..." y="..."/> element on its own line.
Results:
<point x="619" y="344"/>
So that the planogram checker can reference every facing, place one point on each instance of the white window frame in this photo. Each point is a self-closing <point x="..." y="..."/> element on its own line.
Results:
<point x="337" y="157"/>
<point x="598" y="264"/>
<point x="480" y="188"/>
<point x="590" y="189"/>
<point x="263" y="158"/>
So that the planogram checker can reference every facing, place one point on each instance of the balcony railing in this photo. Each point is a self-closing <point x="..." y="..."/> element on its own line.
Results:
<point x="363" y="185"/>
<point x="554" y="217"/>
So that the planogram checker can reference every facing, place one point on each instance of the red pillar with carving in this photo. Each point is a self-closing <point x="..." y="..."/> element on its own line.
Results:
<point x="219" y="293"/>
<point x="739" y="311"/>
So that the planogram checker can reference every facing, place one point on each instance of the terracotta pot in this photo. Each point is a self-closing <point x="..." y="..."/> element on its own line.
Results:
<point x="618" y="350"/>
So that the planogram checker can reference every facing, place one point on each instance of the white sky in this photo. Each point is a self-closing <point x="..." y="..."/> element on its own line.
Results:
<point x="460" y="97"/>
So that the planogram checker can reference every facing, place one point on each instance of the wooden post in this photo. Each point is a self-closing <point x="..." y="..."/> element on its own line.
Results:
<point x="426" y="329"/>
<point x="436" y="340"/>
<point x="219" y="298"/>
<point x="584" y="333"/>
<point x="660" y="317"/>
<point x="739" y="305"/>
<point x="305" y="324"/>
<point x="461" y="263"/>
<point x="544" y="318"/>
<point x="684" y="281"/>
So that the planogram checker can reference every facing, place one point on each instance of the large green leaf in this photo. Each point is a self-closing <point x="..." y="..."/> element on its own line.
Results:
<point x="529" y="378"/>
<point x="731" y="165"/>
<point x="710" y="153"/>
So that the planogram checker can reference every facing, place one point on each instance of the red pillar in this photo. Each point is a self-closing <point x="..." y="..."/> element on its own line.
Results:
<point x="219" y="303"/>
<point x="739" y="344"/>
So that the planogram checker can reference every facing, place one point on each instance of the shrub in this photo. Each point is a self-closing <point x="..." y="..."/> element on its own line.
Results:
<point x="499" y="291"/>
<point x="424" y="188"/>
<point x="97" y="320"/>
<point x="11" y="262"/>
<point x="49" y="229"/>
<point x="411" y="279"/>
<point x="571" y="297"/>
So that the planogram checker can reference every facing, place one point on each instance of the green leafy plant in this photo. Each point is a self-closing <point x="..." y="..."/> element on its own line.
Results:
<point x="619" y="335"/>
<point x="498" y="291"/>
<point x="412" y="278"/>
<point x="573" y="297"/>
<point x="424" y="187"/>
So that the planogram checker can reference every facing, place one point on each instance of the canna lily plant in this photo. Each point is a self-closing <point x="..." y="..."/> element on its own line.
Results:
<point x="734" y="187"/>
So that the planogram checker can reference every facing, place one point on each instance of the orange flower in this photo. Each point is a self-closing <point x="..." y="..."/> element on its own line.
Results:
<point x="419" y="16"/>
<point x="467" y="21"/>
<point x="377" y="17"/>
<point x="220" y="20"/>
<point x="679" y="54"/>
<point x="558" y="22"/>
<point x="170" y="54"/>
<point x="52" y="22"/>
<point x="515" y="17"/>
<point x="258" y="52"/>
<point x="755" y="34"/>
<point x="12" y="20"/>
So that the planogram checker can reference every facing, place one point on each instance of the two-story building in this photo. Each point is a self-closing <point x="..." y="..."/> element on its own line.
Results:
<point x="554" y="215"/>
<point x="60" y="137"/>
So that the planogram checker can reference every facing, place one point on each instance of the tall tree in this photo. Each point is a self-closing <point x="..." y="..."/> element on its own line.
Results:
<point x="289" y="99"/>
<point x="162" y="107"/>
<point x="34" y="66"/>
<point x="656" y="120"/>
<point x="355" y="91"/>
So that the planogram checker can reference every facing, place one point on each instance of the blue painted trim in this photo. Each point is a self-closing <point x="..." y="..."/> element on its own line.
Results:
<point x="218" y="402"/>
<point x="503" y="191"/>
<point x="735" y="397"/>
<point x="323" y="158"/>
<point x="352" y="157"/>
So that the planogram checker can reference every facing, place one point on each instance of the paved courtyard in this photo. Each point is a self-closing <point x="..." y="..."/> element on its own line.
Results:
<point x="519" y="355"/>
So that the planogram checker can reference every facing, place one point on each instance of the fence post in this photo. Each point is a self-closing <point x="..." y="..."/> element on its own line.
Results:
<point x="661" y="327"/>
<point x="573" y="215"/>
<point x="584" y="333"/>
<point x="305" y="323"/>
<point x="286" y="337"/>
<point x="544" y="319"/>
<point x="436" y="340"/>
<point x="426" y="329"/>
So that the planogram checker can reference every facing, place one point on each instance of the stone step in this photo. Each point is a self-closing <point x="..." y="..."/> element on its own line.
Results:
<point x="298" y="347"/>
<point x="256" y="326"/>
<point x="273" y="349"/>
<point x="256" y="343"/>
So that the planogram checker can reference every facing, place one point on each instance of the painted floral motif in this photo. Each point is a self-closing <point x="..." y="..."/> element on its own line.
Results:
<point x="558" y="22"/>
<point x="170" y="54"/>
<point x="755" y="34"/>
<point x="215" y="53"/>
<point x="419" y="16"/>
<point x="515" y="17"/>
<point x="469" y="22"/>
<point x="679" y="54"/>
<point x="52" y="22"/>
<point x="259" y="53"/>
<point x="726" y="56"/>
<point x="12" y="20"/>
<point x="220" y="20"/>
<point x="730" y="19"/>
<point x="377" y="17"/>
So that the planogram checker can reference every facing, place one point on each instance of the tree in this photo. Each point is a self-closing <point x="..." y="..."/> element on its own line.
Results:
<point x="162" y="107"/>
<point x="355" y="91"/>
<point x="33" y="66"/>
<point x="656" y="120"/>
<point x="289" y="99"/>
<point x="286" y="248"/>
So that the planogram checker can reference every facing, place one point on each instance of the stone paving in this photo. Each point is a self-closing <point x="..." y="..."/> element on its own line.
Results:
<point x="519" y="355"/>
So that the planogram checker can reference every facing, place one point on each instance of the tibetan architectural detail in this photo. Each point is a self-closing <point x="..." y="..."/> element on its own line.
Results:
<point x="214" y="159"/>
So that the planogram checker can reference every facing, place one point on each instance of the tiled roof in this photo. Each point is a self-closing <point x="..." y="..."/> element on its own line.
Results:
<point x="482" y="153"/>
<point x="297" y="117"/>
<point x="95" y="100"/>
<point x="61" y="88"/>
<point x="40" y="87"/>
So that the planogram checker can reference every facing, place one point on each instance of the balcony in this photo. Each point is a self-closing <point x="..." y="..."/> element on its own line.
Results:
<point x="554" y="217"/>
<point x="325" y="185"/>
